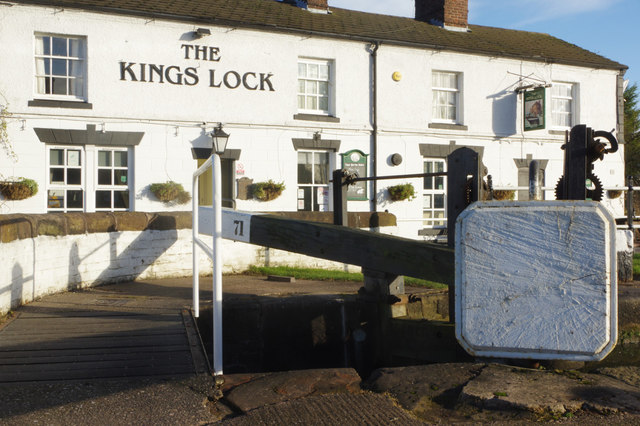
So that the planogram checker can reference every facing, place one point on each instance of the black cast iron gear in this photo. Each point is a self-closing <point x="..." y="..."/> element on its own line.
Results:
<point x="594" y="194"/>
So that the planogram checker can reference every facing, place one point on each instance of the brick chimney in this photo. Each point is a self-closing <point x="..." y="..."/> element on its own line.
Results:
<point x="316" y="6"/>
<point x="451" y="14"/>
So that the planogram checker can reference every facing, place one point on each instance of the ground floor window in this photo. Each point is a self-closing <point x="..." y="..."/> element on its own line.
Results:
<point x="66" y="180"/>
<point x="313" y="180"/>
<point x="82" y="179"/>
<point x="113" y="180"/>
<point x="434" y="194"/>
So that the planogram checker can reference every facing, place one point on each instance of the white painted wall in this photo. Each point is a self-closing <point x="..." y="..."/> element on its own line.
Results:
<point x="261" y="123"/>
<point x="32" y="268"/>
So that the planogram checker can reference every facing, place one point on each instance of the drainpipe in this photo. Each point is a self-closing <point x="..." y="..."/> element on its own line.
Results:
<point x="373" y="50"/>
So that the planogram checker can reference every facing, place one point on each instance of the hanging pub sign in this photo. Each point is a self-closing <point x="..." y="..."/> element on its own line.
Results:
<point x="534" y="109"/>
<point x="356" y="161"/>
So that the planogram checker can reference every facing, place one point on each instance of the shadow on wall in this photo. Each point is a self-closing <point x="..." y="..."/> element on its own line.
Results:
<point x="126" y="263"/>
<point x="18" y="281"/>
<point x="98" y="250"/>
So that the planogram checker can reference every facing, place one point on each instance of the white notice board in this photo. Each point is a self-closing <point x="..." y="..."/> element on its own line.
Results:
<point x="536" y="280"/>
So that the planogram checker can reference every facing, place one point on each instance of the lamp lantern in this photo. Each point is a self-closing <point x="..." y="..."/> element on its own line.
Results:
<point x="220" y="139"/>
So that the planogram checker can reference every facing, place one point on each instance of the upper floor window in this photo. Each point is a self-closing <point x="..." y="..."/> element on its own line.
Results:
<point x="314" y="85"/>
<point x="562" y="105"/>
<point x="60" y="66"/>
<point x="446" y="96"/>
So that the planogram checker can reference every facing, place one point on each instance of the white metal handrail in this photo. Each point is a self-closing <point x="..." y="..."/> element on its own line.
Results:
<point x="213" y="252"/>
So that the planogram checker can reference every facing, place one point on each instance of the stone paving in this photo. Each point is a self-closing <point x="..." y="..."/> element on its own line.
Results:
<point x="476" y="392"/>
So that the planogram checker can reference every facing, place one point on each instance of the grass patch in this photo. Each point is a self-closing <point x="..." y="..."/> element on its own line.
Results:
<point x="330" y="275"/>
<point x="636" y="266"/>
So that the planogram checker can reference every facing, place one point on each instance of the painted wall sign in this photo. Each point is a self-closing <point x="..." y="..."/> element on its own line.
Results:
<point x="236" y="225"/>
<point x="534" y="109"/>
<point x="192" y="76"/>
<point x="356" y="161"/>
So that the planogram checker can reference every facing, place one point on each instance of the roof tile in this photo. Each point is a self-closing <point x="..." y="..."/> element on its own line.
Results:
<point x="272" y="15"/>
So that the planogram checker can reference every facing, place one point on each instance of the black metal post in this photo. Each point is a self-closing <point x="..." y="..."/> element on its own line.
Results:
<point x="340" y="214"/>
<point x="464" y="186"/>
<point x="576" y="163"/>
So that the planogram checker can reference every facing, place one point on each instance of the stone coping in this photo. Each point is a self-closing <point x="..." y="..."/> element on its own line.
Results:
<point x="22" y="226"/>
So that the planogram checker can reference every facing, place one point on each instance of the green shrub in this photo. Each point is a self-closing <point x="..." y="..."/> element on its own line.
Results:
<point x="266" y="191"/>
<point x="505" y="194"/>
<point x="19" y="189"/>
<point x="401" y="192"/>
<point x="170" y="191"/>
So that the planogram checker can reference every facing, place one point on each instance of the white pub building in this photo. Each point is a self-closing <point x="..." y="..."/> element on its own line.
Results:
<point x="106" y="98"/>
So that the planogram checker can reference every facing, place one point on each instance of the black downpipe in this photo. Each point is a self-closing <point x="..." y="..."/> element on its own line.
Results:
<point x="374" y="164"/>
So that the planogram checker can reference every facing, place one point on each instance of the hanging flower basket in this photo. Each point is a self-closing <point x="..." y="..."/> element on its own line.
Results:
<point x="614" y="193"/>
<point x="19" y="189"/>
<point x="402" y="192"/>
<point x="505" y="194"/>
<point x="170" y="192"/>
<point x="267" y="191"/>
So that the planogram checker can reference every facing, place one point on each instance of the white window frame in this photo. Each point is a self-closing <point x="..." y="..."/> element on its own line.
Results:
<point x="555" y="112"/>
<point x="429" y="194"/>
<point x="41" y="76"/>
<point x="65" y="186"/>
<point x="309" y="81"/>
<point x="457" y="93"/>
<point x="315" y="187"/>
<point x="112" y="188"/>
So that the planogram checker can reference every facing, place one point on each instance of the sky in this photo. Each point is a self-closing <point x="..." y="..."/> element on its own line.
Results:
<point x="610" y="28"/>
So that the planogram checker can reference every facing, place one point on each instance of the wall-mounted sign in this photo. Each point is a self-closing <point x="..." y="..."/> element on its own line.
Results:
<point x="192" y="76"/>
<point x="534" y="109"/>
<point x="356" y="161"/>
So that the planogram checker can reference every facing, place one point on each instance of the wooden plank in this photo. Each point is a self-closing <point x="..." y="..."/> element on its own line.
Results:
<point x="64" y="351"/>
<point x="74" y="374"/>
<point x="379" y="252"/>
<point x="97" y="328"/>
<point x="95" y="354"/>
<point x="97" y="342"/>
<point x="395" y="255"/>
<point x="172" y="359"/>
<point x="64" y="327"/>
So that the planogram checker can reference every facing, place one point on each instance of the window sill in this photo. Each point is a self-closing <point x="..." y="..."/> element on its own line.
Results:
<point x="558" y="132"/>
<point x="50" y="103"/>
<point x="432" y="232"/>
<point x="448" y="126"/>
<point x="316" y="117"/>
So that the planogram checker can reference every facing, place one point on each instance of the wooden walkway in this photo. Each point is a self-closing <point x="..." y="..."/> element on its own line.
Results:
<point x="124" y="330"/>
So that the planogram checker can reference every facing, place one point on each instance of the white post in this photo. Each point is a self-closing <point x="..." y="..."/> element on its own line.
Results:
<point x="194" y="249"/>
<point x="217" y="265"/>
